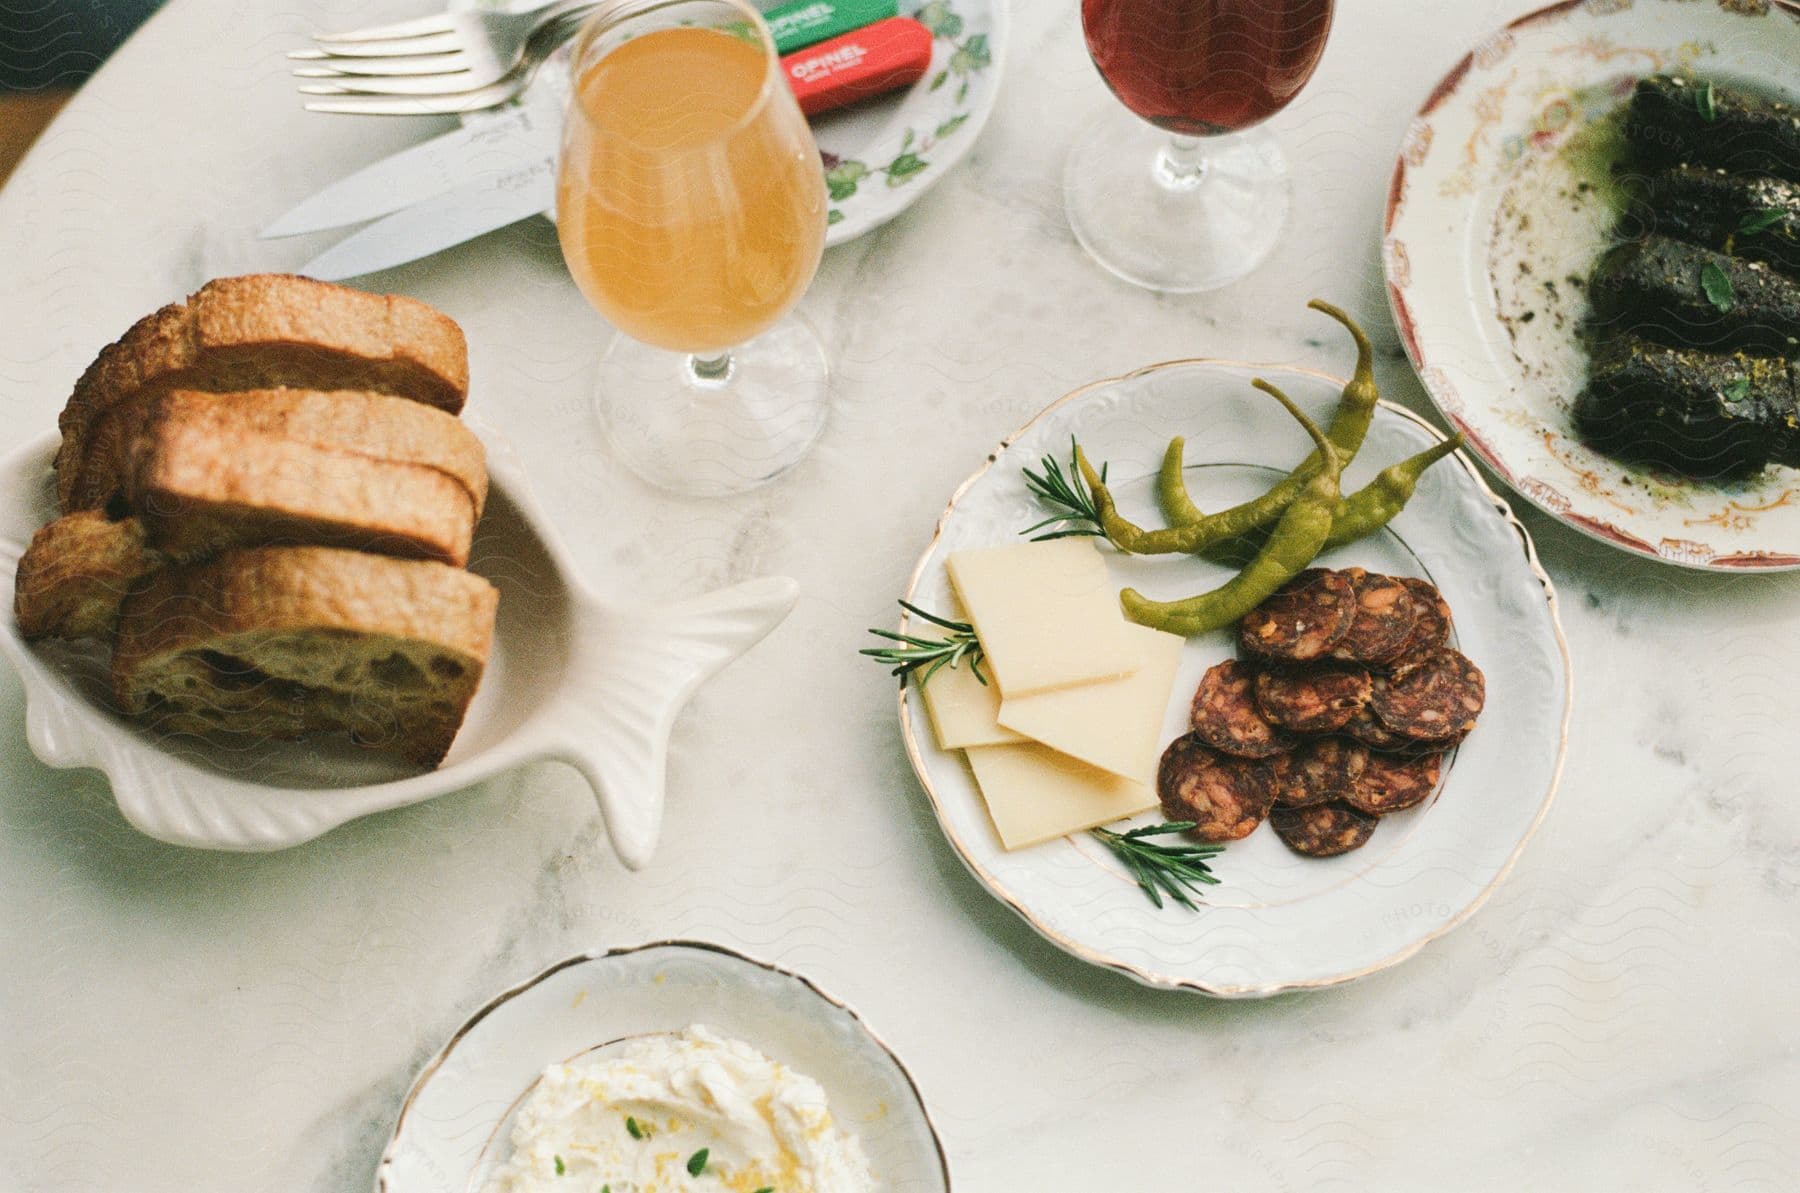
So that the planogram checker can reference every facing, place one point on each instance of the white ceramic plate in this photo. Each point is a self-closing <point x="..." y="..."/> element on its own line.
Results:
<point x="571" y="678"/>
<point x="1278" y="921"/>
<point x="454" y="1125"/>
<point x="1486" y="221"/>
<point x="880" y="156"/>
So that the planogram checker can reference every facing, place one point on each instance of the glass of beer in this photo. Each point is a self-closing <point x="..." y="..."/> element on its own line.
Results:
<point x="690" y="204"/>
<point x="1179" y="189"/>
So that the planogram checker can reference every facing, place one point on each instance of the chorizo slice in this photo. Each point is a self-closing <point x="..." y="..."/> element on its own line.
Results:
<point x="1435" y="701"/>
<point x="1372" y="733"/>
<point x="1316" y="700"/>
<point x="1431" y="632"/>
<point x="1225" y="715"/>
<point x="1319" y="770"/>
<point x="1225" y="796"/>
<point x="1390" y="783"/>
<point x="1385" y="617"/>
<point x="1303" y="620"/>
<point x="1324" y="830"/>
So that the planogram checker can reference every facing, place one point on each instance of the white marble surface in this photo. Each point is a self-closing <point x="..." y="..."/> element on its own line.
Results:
<point x="1619" y="1016"/>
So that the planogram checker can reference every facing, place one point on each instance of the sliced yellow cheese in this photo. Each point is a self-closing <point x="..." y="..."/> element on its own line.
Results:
<point x="1035" y="794"/>
<point x="1114" y="725"/>
<point x="962" y="709"/>
<point x="1047" y="614"/>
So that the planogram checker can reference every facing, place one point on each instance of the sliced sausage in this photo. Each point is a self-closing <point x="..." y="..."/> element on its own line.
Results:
<point x="1303" y="620"/>
<point x="1225" y="715"/>
<point x="1391" y="783"/>
<point x="1319" y="770"/>
<point x="1316" y="700"/>
<point x="1323" y="831"/>
<point x="1226" y="797"/>
<point x="1431" y="631"/>
<point x="1437" y="700"/>
<point x="1385" y="617"/>
<point x="1372" y="733"/>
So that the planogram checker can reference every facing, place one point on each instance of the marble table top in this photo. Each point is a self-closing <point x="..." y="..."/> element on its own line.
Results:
<point x="1619" y="1016"/>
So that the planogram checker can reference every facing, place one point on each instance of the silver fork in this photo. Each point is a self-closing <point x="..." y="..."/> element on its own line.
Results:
<point x="451" y="54"/>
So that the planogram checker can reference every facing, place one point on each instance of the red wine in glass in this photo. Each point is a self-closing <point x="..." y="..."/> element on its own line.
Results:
<point x="1180" y="192"/>
<point x="1206" y="67"/>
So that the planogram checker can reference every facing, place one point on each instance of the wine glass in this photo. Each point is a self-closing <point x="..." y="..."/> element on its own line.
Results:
<point x="690" y="204"/>
<point x="1196" y="198"/>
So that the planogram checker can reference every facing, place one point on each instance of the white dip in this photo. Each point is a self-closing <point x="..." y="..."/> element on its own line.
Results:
<point x="763" y="1126"/>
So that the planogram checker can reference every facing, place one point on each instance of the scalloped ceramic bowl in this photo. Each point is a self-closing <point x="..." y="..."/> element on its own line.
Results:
<point x="1278" y="921"/>
<point x="1493" y="219"/>
<point x="571" y="678"/>
<point x="455" y="1123"/>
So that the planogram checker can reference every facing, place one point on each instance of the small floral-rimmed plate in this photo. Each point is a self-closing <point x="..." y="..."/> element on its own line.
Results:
<point x="881" y="156"/>
<point x="452" y="1127"/>
<point x="1277" y="921"/>
<point x="1498" y="209"/>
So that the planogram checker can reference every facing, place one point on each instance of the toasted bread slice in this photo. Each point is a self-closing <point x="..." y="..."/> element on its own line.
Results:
<point x="254" y="332"/>
<point x="75" y="573"/>
<point x="354" y="422"/>
<point x="203" y="480"/>
<point x="281" y="642"/>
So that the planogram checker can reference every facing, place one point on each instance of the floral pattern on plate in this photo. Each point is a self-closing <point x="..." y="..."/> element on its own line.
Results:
<point x="1498" y="208"/>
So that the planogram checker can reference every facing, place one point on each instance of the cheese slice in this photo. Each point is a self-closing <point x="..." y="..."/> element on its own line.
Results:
<point x="1046" y="613"/>
<point x="1035" y="794"/>
<point x="962" y="709"/>
<point x="1114" y="725"/>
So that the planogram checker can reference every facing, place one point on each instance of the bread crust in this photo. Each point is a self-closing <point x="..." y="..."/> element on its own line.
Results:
<point x="254" y="332"/>
<point x="252" y="606"/>
<point x="76" y="572"/>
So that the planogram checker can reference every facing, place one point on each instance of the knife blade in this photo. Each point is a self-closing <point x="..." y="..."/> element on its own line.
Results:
<point x="440" y="222"/>
<point x="510" y="140"/>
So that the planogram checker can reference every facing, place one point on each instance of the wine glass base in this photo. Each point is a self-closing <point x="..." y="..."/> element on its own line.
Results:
<point x="701" y="436"/>
<point x="1162" y="224"/>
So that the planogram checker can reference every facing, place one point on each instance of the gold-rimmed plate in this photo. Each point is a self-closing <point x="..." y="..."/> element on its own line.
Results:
<point x="452" y="1128"/>
<point x="1278" y="921"/>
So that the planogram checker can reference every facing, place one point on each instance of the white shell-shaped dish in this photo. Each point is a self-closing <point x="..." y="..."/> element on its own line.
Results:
<point x="880" y="156"/>
<point x="1278" y="921"/>
<point x="455" y="1123"/>
<point x="1487" y="219"/>
<point x="571" y="678"/>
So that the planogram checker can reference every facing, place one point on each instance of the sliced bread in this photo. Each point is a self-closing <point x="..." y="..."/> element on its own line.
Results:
<point x="285" y="641"/>
<point x="203" y="480"/>
<point x="254" y="332"/>
<point x="75" y="573"/>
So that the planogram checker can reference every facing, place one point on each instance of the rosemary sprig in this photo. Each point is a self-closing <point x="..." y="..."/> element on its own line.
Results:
<point x="1063" y="490"/>
<point x="915" y="652"/>
<point x="1172" y="870"/>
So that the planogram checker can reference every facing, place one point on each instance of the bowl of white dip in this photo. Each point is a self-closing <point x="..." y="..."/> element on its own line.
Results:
<point x="675" y="1067"/>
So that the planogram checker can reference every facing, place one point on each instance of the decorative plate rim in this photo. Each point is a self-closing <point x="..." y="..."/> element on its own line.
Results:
<point x="1599" y="529"/>
<point x="437" y="1059"/>
<point x="1163" y="981"/>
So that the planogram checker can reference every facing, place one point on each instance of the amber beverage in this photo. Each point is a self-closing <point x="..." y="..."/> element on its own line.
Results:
<point x="691" y="210"/>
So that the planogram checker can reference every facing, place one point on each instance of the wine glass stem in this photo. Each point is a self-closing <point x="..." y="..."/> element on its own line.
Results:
<point x="1180" y="164"/>
<point x="711" y="372"/>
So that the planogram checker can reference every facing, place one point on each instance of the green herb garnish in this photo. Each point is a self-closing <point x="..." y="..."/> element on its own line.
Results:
<point x="632" y="1129"/>
<point x="930" y="653"/>
<point x="559" y="1165"/>
<point x="1064" y="491"/>
<point x="697" y="1163"/>
<point x="1717" y="286"/>
<point x="1759" y="220"/>
<point x="1172" y="870"/>
<point x="1703" y="102"/>
<point x="1738" y="389"/>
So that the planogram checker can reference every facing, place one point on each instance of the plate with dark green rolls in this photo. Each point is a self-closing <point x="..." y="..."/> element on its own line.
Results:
<point x="1117" y="802"/>
<point x="1593" y="254"/>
